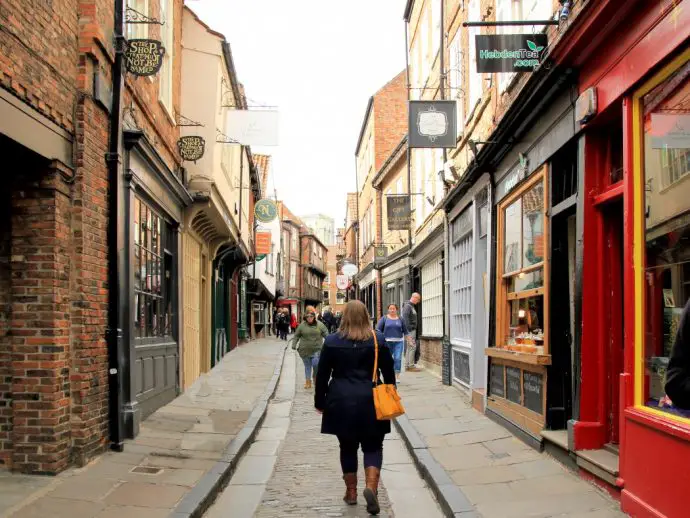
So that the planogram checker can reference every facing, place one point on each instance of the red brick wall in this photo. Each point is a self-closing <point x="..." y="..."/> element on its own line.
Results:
<point x="5" y="339"/>
<point x="390" y="118"/>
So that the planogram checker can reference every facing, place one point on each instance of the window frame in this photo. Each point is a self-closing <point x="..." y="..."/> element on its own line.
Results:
<point x="165" y="75"/>
<point x="464" y="268"/>
<point x="136" y="31"/>
<point x="503" y="297"/>
<point x="432" y="294"/>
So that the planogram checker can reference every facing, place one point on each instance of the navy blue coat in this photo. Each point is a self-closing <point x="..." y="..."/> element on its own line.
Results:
<point x="344" y="385"/>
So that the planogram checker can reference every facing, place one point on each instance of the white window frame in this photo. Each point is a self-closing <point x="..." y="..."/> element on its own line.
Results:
<point x="165" y="76"/>
<point x="339" y="297"/>
<point x="425" y="48"/>
<point x="435" y="28"/>
<point x="461" y="277"/>
<point x="432" y="299"/>
<point x="293" y="274"/>
<point x="399" y="189"/>
<point x="138" y="30"/>
<point x="295" y="244"/>
<point x="419" y="176"/>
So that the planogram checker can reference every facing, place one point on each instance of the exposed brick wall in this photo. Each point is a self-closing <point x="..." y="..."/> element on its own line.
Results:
<point x="390" y="118"/>
<point x="431" y="353"/>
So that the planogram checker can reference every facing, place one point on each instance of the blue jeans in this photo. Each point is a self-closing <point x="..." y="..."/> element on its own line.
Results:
<point x="310" y="362"/>
<point x="397" y="350"/>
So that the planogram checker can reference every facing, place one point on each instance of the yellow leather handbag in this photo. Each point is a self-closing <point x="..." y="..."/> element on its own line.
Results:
<point x="386" y="399"/>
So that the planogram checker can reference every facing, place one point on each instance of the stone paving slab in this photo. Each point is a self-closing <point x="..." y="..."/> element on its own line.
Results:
<point x="499" y="475"/>
<point x="183" y="442"/>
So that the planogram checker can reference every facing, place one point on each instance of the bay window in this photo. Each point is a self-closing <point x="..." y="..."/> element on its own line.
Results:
<point x="432" y="297"/>
<point x="521" y="316"/>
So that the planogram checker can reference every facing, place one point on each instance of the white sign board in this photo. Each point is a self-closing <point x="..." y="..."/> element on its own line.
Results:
<point x="253" y="127"/>
<point x="350" y="269"/>
<point x="342" y="282"/>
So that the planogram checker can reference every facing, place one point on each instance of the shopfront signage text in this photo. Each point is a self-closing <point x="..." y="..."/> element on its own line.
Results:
<point x="398" y="211"/>
<point x="432" y="124"/>
<point x="509" y="52"/>
<point x="265" y="211"/>
<point x="191" y="147"/>
<point x="263" y="243"/>
<point x="144" y="57"/>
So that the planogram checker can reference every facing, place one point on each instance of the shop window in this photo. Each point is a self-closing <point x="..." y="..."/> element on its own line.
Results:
<point x="340" y="297"/>
<point x="153" y="279"/>
<point x="666" y="162"/>
<point x="432" y="297"/>
<point x="520" y="321"/>
<point x="564" y="173"/>
<point x="259" y="314"/>
<point x="461" y="277"/>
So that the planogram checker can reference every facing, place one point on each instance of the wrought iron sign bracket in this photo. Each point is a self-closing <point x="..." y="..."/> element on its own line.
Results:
<point x="133" y="17"/>
<point x="226" y="95"/>
<point x="511" y="23"/>
<point x="185" y="122"/>
<point x="222" y="138"/>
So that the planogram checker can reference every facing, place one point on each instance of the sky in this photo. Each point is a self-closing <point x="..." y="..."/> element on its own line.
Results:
<point x="318" y="61"/>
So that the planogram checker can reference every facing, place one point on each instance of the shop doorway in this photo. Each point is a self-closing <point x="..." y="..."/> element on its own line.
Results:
<point x="612" y="215"/>
<point x="562" y="301"/>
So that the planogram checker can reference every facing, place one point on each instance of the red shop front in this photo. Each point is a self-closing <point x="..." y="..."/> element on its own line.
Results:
<point x="636" y="236"/>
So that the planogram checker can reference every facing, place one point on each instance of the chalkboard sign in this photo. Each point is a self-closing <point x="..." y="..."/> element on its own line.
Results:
<point x="513" y="385"/>
<point x="445" y="363"/>
<point x="461" y="366"/>
<point x="533" y="386"/>
<point x="497" y="387"/>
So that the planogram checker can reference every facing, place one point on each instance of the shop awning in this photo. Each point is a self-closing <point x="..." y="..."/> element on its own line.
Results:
<point x="286" y="302"/>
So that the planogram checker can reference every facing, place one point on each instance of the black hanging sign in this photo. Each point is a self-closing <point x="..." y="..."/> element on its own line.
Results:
<point x="496" y="383"/>
<point x="432" y="124"/>
<point x="398" y="211"/>
<point x="509" y="52"/>
<point x="513" y="385"/>
<point x="191" y="147"/>
<point x="144" y="57"/>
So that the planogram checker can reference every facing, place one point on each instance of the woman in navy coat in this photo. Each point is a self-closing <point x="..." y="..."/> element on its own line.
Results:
<point x="343" y="393"/>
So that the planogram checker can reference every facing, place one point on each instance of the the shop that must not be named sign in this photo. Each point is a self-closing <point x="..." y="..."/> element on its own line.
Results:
<point x="398" y="211"/>
<point x="432" y="124"/>
<point x="265" y="210"/>
<point x="191" y="148"/>
<point x="509" y="52"/>
<point x="144" y="57"/>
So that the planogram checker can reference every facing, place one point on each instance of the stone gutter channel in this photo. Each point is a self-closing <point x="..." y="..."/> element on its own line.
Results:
<point x="204" y="493"/>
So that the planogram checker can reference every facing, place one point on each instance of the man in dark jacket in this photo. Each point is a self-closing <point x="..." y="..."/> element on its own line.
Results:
<point x="678" y="373"/>
<point x="328" y="319"/>
<point x="409" y="315"/>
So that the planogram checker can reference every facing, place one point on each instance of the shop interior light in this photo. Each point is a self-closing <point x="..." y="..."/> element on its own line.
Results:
<point x="521" y="313"/>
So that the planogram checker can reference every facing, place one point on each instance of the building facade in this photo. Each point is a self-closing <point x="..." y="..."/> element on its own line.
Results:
<point x="322" y="226"/>
<point x="384" y="124"/>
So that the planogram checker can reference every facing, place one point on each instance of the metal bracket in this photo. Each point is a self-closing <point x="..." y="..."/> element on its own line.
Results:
<point x="511" y="23"/>
<point x="183" y="121"/>
<point x="226" y="94"/>
<point x="132" y="17"/>
<point x="222" y="138"/>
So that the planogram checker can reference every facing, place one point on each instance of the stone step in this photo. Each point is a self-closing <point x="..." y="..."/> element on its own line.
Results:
<point x="602" y="463"/>
<point x="557" y="437"/>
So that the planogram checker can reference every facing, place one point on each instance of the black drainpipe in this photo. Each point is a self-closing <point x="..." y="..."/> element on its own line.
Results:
<point x="113" y="159"/>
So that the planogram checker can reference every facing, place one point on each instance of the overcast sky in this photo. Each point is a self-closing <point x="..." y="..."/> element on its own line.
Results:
<point x="319" y="61"/>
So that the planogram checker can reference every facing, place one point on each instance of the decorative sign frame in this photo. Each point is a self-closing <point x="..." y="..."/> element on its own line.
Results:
<point x="265" y="210"/>
<point x="144" y="57"/>
<point x="398" y="211"/>
<point x="191" y="147"/>
<point x="432" y="124"/>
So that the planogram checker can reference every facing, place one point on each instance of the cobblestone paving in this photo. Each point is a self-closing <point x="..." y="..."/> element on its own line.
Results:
<point x="307" y="479"/>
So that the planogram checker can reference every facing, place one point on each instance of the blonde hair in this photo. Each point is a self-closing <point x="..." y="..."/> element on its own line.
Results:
<point x="355" y="324"/>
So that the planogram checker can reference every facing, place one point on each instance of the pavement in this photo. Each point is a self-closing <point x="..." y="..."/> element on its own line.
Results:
<point x="292" y="470"/>
<point x="198" y="437"/>
<point x="477" y="468"/>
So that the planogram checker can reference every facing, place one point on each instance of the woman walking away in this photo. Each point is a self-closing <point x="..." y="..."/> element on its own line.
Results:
<point x="395" y="331"/>
<point x="308" y="341"/>
<point x="347" y="402"/>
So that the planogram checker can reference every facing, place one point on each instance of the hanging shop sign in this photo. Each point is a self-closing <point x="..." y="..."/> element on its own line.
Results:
<point x="263" y="243"/>
<point x="342" y="282"/>
<point x="350" y="269"/>
<point x="144" y="57"/>
<point x="191" y="148"/>
<point x="253" y="127"/>
<point x="509" y="52"/>
<point x="398" y="211"/>
<point x="380" y="254"/>
<point x="432" y="124"/>
<point x="265" y="211"/>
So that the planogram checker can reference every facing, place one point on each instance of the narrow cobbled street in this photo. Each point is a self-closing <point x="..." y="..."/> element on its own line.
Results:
<point x="292" y="470"/>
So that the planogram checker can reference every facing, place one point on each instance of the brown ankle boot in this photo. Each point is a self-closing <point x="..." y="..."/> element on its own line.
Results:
<point x="350" y="497"/>
<point x="372" y="475"/>
<point x="307" y="384"/>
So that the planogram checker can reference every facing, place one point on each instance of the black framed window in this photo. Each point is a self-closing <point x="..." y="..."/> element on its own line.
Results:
<point x="153" y="279"/>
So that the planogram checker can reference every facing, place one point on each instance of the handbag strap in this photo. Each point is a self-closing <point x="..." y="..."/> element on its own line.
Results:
<point x="374" y="377"/>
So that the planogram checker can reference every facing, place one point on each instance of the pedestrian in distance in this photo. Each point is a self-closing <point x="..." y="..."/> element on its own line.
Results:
<point x="329" y="319"/>
<point x="293" y="322"/>
<point x="395" y="332"/>
<point x="409" y="316"/>
<point x="678" y="373"/>
<point x="344" y="395"/>
<point x="308" y="341"/>
<point x="283" y="323"/>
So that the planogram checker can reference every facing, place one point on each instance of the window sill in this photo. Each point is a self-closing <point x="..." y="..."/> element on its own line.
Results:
<point x="532" y="359"/>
